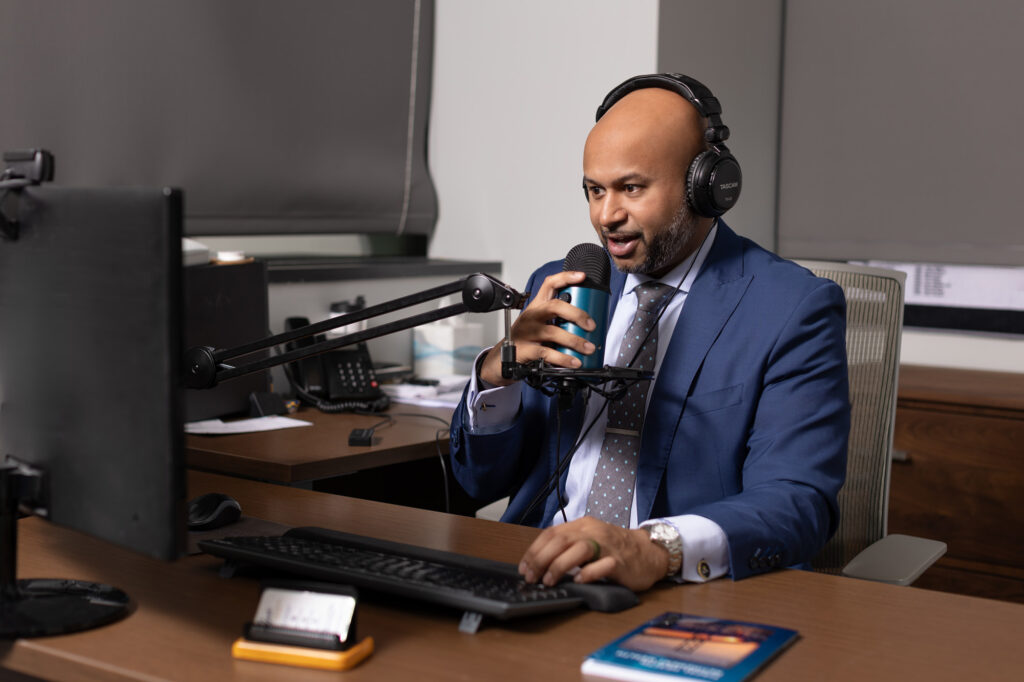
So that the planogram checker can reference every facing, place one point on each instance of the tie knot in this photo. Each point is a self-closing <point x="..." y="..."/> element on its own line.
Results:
<point x="651" y="295"/>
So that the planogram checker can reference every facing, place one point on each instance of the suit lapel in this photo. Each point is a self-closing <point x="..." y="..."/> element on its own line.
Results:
<point x="617" y="284"/>
<point x="714" y="296"/>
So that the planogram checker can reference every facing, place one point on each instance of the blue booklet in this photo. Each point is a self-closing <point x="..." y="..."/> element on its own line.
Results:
<point x="678" y="646"/>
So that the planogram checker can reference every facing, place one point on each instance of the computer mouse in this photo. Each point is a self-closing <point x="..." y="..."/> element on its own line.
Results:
<point x="213" y="510"/>
<point x="604" y="597"/>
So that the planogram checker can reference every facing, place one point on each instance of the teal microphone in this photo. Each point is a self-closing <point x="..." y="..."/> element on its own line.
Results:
<point x="590" y="295"/>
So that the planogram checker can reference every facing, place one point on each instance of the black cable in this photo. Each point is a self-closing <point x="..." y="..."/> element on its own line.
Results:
<point x="437" y="446"/>
<point x="558" y="449"/>
<point x="562" y="464"/>
<point x="444" y="469"/>
<point x="388" y="420"/>
<point x="424" y="416"/>
<point x="375" y="405"/>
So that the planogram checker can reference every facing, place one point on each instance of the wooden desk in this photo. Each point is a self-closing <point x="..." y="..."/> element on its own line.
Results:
<point x="958" y="474"/>
<point x="321" y="451"/>
<point x="187" y="616"/>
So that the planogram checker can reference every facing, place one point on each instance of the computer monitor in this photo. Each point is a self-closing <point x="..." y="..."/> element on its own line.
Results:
<point x="90" y="400"/>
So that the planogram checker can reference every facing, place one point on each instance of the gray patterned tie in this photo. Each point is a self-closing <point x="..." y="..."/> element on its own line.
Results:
<point x="611" y="494"/>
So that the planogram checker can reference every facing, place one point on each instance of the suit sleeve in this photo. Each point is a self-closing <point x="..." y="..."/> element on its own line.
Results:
<point x="796" y="449"/>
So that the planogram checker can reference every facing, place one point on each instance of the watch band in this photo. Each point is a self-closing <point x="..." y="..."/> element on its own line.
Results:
<point x="666" y="535"/>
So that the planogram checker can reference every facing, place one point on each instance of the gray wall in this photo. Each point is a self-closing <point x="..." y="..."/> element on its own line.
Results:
<point x="740" y="64"/>
<point x="276" y="118"/>
<point x="901" y="135"/>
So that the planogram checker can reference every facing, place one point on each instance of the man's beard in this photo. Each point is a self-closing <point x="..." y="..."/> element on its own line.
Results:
<point x="665" y="247"/>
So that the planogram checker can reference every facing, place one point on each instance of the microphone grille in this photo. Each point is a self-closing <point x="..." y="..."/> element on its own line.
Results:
<point x="591" y="260"/>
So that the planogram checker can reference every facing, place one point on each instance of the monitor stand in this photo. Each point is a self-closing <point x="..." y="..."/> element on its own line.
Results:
<point x="44" y="606"/>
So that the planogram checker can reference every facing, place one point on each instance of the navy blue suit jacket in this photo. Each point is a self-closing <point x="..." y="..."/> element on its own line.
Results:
<point x="747" y="424"/>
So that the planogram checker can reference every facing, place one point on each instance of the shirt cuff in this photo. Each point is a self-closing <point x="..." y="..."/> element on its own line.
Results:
<point x="705" y="548"/>
<point x="488" y="407"/>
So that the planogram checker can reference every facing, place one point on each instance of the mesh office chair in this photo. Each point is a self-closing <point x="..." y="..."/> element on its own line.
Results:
<point x="874" y="324"/>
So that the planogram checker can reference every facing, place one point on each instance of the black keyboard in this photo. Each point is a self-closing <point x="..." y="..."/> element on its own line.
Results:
<point x="477" y="586"/>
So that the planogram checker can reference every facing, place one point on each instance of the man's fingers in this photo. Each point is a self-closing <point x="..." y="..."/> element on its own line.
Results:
<point x="554" y="357"/>
<point x="559" y="280"/>
<point x="556" y="336"/>
<point x="544" y="332"/>
<point x="596" y="570"/>
<point x="542" y="552"/>
<point x="527" y="351"/>
<point x="538" y="341"/>
<point x="545" y="308"/>
<point x="570" y="313"/>
<point x="576" y="554"/>
<point x="555" y="553"/>
<point x="560" y="549"/>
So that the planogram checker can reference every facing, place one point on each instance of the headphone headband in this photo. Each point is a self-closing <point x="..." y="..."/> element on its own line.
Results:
<point x="690" y="89"/>
<point x="714" y="178"/>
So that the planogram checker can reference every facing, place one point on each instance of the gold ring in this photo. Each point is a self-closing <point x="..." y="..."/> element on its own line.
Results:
<point x="596" y="547"/>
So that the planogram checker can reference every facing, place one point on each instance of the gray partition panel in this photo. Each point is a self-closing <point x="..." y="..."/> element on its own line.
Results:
<point x="733" y="47"/>
<point x="274" y="117"/>
<point x="901" y="131"/>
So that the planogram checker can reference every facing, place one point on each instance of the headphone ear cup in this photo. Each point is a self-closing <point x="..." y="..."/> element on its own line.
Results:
<point x="696" y="178"/>
<point x="713" y="183"/>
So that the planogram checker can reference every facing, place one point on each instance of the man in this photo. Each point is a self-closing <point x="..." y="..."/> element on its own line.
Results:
<point x="735" y="464"/>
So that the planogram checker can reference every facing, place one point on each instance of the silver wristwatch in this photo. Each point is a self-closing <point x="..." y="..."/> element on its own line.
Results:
<point x="665" y="534"/>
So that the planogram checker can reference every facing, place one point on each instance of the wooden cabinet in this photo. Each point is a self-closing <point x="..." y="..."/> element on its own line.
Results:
<point x="958" y="476"/>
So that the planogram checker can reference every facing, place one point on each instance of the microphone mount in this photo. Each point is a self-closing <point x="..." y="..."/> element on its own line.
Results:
<point x="608" y="382"/>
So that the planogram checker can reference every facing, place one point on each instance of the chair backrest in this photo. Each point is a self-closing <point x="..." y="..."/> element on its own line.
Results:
<point x="874" y="325"/>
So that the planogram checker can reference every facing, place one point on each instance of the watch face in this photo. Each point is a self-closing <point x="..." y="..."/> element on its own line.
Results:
<point x="668" y="537"/>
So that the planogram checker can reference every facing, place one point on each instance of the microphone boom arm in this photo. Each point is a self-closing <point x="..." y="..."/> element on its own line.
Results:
<point x="206" y="367"/>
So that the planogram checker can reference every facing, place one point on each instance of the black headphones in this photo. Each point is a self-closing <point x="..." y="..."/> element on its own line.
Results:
<point x="714" y="179"/>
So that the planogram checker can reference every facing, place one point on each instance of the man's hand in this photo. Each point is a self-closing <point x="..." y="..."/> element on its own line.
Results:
<point x="600" y="549"/>
<point x="532" y="329"/>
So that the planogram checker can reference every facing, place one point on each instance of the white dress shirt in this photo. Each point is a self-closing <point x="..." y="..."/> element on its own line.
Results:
<point x="705" y="547"/>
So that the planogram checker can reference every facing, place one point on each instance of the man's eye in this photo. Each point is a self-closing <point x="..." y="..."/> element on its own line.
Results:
<point x="629" y="187"/>
<point x="594" y="191"/>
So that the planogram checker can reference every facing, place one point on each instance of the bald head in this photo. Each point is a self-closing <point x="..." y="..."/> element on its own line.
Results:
<point x="652" y="125"/>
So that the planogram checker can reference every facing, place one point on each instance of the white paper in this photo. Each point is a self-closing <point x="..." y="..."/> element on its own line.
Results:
<point x="961" y="286"/>
<point x="409" y="391"/>
<point x="440" y="400"/>
<point x="216" y="427"/>
<point x="446" y="393"/>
